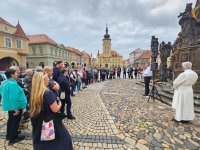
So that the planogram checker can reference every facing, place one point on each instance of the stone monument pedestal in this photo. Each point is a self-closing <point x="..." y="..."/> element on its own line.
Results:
<point x="188" y="53"/>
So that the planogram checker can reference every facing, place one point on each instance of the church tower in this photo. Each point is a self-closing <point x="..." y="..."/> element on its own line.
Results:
<point x="107" y="44"/>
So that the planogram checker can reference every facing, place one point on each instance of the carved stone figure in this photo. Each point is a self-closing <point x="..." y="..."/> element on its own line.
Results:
<point x="165" y="50"/>
<point x="187" y="45"/>
<point x="154" y="49"/>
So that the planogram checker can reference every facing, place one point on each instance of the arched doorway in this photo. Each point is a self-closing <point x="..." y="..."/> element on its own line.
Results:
<point x="66" y="64"/>
<point x="106" y="65"/>
<point x="84" y="64"/>
<point x="6" y="62"/>
<point x="73" y="65"/>
<point x="41" y="64"/>
<point x="54" y="63"/>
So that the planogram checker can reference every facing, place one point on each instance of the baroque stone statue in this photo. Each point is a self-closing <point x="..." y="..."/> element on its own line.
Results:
<point x="190" y="25"/>
<point x="165" y="50"/>
<point x="154" y="49"/>
<point x="187" y="45"/>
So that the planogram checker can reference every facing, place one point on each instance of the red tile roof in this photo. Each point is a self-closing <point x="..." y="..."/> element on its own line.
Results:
<point x="86" y="55"/>
<point x="20" y="32"/>
<point x="5" y="22"/>
<point x="69" y="49"/>
<point x="74" y="50"/>
<point x="101" y="55"/>
<point x="78" y="52"/>
<point x="145" y="55"/>
<point x="113" y="54"/>
<point x="41" y="39"/>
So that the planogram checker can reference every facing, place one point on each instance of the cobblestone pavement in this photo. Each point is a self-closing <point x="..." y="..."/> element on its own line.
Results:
<point x="114" y="115"/>
<point x="148" y="124"/>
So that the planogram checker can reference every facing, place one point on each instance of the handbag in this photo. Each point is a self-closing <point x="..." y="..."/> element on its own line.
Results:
<point x="48" y="131"/>
<point x="43" y="125"/>
<point x="62" y="95"/>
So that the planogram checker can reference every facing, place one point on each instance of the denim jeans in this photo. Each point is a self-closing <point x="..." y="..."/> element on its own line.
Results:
<point x="78" y="86"/>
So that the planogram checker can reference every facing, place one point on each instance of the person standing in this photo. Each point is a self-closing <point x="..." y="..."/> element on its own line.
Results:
<point x="92" y="75"/>
<point x="72" y="81"/>
<point x="124" y="72"/>
<point x="107" y="73"/>
<point x="130" y="73"/>
<point x="147" y="77"/>
<point x="118" y="72"/>
<point x="18" y="71"/>
<point x="65" y="87"/>
<point x="13" y="101"/>
<point x="113" y="72"/>
<point x="44" y="115"/>
<point x="183" y="99"/>
<point x="53" y="85"/>
<point x="139" y="72"/>
<point x="136" y="72"/>
<point x="103" y="74"/>
<point x="56" y="70"/>
<point x="27" y="86"/>
<point x="78" y="73"/>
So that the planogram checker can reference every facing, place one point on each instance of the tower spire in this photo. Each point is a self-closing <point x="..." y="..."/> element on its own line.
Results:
<point x="106" y="29"/>
<point x="106" y="36"/>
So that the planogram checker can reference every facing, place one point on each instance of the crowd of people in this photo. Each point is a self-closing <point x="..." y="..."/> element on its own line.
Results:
<point x="43" y="96"/>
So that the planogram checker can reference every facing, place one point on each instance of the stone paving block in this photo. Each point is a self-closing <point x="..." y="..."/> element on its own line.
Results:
<point x="110" y="115"/>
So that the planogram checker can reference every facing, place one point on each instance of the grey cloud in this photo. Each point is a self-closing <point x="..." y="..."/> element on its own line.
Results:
<point x="81" y="23"/>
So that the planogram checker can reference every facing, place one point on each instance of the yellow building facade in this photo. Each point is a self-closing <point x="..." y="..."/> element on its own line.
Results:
<point x="109" y="58"/>
<point x="13" y="45"/>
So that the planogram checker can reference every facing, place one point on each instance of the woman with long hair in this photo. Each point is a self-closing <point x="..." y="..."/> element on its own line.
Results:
<point x="48" y="130"/>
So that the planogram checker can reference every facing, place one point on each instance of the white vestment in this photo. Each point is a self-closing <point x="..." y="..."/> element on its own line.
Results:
<point x="183" y="100"/>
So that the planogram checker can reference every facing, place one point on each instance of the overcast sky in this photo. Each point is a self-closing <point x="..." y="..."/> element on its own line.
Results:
<point x="81" y="23"/>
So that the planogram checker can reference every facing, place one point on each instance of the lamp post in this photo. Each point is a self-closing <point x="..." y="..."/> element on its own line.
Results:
<point x="81" y="60"/>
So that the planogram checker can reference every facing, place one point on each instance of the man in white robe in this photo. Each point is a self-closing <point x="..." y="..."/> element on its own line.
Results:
<point x="183" y="100"/>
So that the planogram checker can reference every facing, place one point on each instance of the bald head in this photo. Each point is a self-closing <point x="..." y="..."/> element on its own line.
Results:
<point x="48" y="70"/>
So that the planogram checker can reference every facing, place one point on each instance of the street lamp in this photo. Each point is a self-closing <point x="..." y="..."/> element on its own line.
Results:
<point x="81" y="60"/>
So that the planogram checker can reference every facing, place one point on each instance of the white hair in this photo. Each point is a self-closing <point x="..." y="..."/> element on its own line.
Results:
<point x="39" y="69"/>
<point x="187" y="65"/>
<point x="29" y="70"/>
<point x="14" y="67"/>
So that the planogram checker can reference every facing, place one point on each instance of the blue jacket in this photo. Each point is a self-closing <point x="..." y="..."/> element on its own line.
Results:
<point x="13" y="97"/>
<point x="64" y="84"/>
<point x="56" y="74"/>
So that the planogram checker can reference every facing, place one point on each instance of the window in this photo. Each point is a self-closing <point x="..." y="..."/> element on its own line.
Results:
<point x="5" y="28"/>
<point x="8" y="42"/>
<point x="41" y="51"/>
<point x="56" y="53"/>
<point x="34" y="51"/>
<point x="51" y="49"/>
<point x="19" y="43"/>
